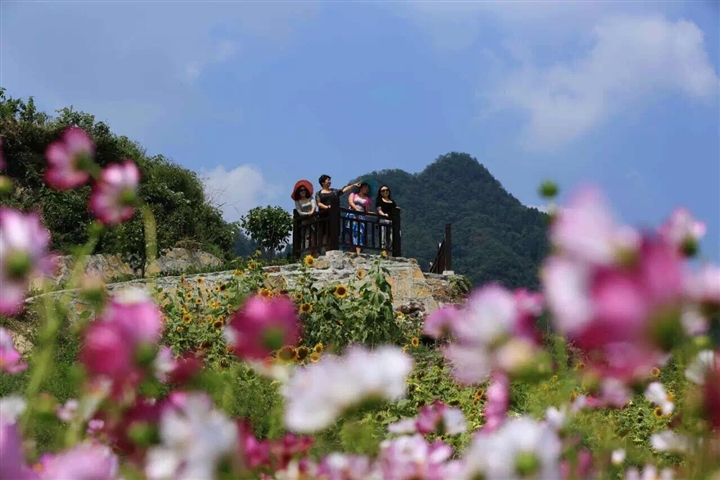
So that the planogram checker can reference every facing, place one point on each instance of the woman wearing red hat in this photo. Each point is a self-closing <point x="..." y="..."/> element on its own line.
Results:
<point x="305" y="207"/>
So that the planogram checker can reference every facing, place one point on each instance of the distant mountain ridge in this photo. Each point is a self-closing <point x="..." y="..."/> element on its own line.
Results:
<point x="495" y="237"/>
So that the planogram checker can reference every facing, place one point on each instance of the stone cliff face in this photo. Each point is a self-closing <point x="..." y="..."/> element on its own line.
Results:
<point x="112" y="266"/>
<point x="414" y="293"/>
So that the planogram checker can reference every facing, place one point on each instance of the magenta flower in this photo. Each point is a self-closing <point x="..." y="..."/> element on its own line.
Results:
<point x="69" y="158"/>
<point x="114" y="194"/>
<point x="261" y="326"/>
<point x="12" y="457"/>
<point x="84" y="462"/>
<point x="118" y="342"/>
<point x="23" y="254"/>
<point x="10" y="359"/>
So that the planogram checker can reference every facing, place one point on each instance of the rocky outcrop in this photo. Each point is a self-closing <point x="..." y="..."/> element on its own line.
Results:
<point x="414" y="293"/>
<point x="112" y="266"/>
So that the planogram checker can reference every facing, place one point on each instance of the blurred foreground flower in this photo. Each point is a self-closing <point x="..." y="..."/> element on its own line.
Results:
<point x="10" y="359"/>
<point x="317" y="394"/>
<point x="114" y="194"/>
<point x="261" y="326"/>
<point x="69" y="159"/>
<point x="23" y="255"/>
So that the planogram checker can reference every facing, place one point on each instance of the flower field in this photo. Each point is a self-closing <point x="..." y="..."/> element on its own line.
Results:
<point x="612" y="371"/>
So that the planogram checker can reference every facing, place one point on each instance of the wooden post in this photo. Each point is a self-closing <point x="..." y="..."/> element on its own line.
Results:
<point x="333" y="227"/>
<point x="448" y="247"/>
<point x="297" y="240"/>
<point x="396" y="234"/>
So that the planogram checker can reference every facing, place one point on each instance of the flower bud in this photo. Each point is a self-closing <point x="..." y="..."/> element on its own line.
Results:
<point x="6" y="185"/>
<point x="548" y="189"/>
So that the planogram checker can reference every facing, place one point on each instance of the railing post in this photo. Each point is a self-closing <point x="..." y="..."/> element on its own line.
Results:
<point x="448" y="247"/>
<point x="297" y="243"/>
<point x="334" y="224"/>
<point x="396" y="234"/>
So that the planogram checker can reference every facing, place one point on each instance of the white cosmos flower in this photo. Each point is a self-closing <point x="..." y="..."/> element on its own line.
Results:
<point x="318" y="393"/>
<point x="194" y="436"/>
<point x="698" y="368"/>
<point x="520" y="448"/>
<point x="669" y="441"/>
<point x="11" y="407"/>
<point x="656" y="394"/>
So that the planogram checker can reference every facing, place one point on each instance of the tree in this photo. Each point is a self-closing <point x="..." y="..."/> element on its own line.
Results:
<point x="269" y="227"/>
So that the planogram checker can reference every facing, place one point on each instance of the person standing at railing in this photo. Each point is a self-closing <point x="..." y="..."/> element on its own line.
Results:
<point x="360" y="202"/>
<point x="384" y="206"/>
<point x="324" y="197"/>
<point x="305" y="207"/>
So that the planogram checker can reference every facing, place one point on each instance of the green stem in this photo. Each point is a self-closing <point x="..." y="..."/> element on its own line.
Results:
<point x="150" y="240"/>
<point x="48" y="332"/>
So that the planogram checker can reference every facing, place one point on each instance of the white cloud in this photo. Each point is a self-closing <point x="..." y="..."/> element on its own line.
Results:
<point x="542" y="208"/>
<point x="238" y="190"/>
<point x="633" y="59"/>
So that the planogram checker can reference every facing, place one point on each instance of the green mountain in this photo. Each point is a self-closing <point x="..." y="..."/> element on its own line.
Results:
<point x="494" y="236"/>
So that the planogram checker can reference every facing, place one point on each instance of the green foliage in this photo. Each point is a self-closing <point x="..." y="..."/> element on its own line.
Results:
<point x="495" y="237"/>
<point x="269" y="227"/>
<point x="174" y="194"/>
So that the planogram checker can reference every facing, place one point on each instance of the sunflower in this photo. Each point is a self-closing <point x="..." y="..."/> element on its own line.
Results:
<point x="223" y="287"/>
<point x="182" y="278"/>
<point x="383" y="254"/>
<point x="319" y="348"/>
<point x="200" y="280"/>
<point x="415" y="342"/>
<point x="479" y="394"/>
<point x="186" y="319"/>
<point x="580" y="366"/>
<point x="309" y="260"/>
<point x="287" y="354"/>
<point x="216" y="288"/>
<point x="265" y="293"/>
<point x="188" y="295"/>
<point x="179" y="329"/>
<point x="544" y="386"/>
<point x="314" y="357"/>
<point x="658" y="412"/>
<point x="655" y="372"/>
<point x="198" y="301"/>
<point x="302" y="353"/>
<point x="298" y="296"/>
<point x="218" y="324"/>
<point x="229" y="348"/>
<point x="202" y="324"/>
<point x="341" y="291"/>
<point x="237" y="273"/>
<point x="306" y="308"/>
<point x="361" y="274"/>
<point x="251" y="266"/>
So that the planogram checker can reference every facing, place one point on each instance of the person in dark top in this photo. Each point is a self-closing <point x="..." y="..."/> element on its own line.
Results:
<point x="384" y="206"/>
<point x="324" y="196"/>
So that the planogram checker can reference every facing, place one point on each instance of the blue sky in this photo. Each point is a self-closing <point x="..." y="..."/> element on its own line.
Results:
<point x="255" y="95"/>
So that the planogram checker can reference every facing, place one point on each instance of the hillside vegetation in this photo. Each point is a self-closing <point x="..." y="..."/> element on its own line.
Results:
<point x="174" y="194"/>
<point x="495" y="237"/>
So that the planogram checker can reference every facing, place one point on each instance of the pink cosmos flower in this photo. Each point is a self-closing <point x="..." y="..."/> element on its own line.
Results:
<point x="261" y="326"/>
<point x="23" y="254"/>
<point x="114" y="194"/>
<point x="601" y="305"/>
<point x="10" y="359"/>
<point x="413" y="458"/>
<point x="586" y="231"/>
<point x="67" y="157"/>
<point x="84" y="462"/>
<point x="439" y="323"/>
<point x="498" y="402"/>
<point x="113" y="344"/>
<point x="491" y="332"/>
<point x="12" y="457"/>
<point x="682" y="230"/>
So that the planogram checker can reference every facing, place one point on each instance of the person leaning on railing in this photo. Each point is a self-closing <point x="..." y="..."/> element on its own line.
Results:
<point x="324" y="197"/>
<point x="384" y="206"/>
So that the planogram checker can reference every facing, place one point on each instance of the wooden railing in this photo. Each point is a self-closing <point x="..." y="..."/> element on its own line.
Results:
<point x="443" y="259"/>
<point x="342" y="228"/>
